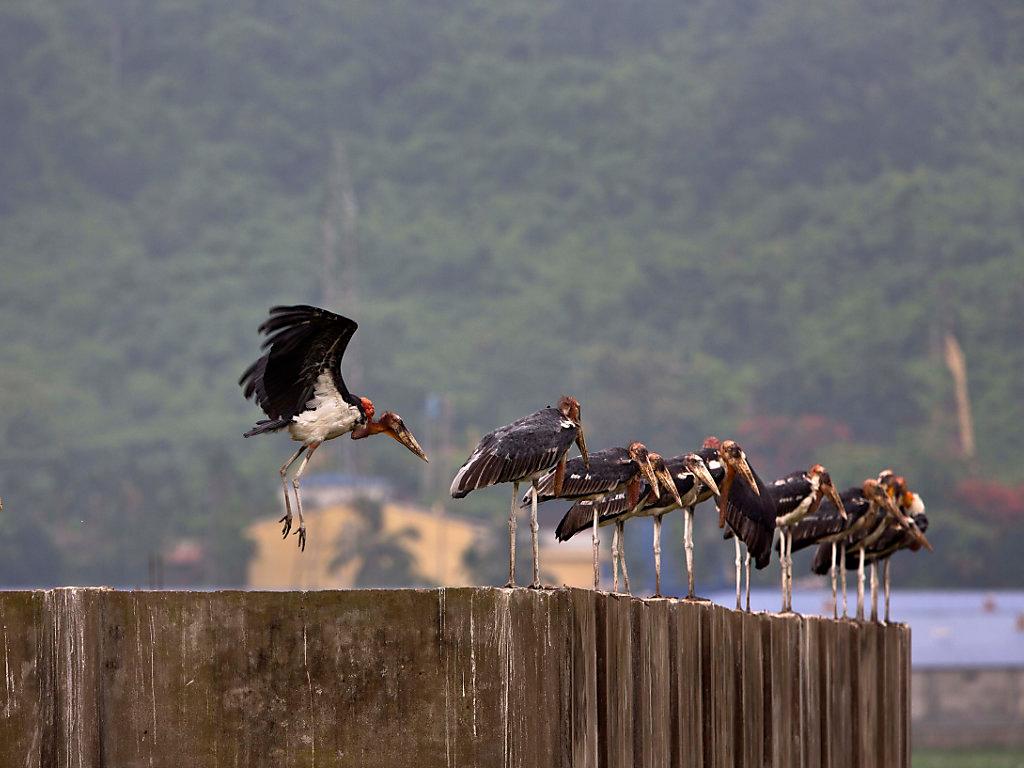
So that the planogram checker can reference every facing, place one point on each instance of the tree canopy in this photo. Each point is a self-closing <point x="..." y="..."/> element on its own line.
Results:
<point x="748" y="218"/>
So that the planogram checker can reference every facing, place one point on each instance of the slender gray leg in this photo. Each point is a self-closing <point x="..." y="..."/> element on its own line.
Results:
<point x="688" y="546"/>
<point x="657" y="556"/>
<point x="747" y="567"/>
<point x="885" y="582"/>
<point x="622" y="557"/>
<point x="782" y="565"/>
<point x="287" y="519"/>
<point x="860" y="587"/>
<point x="534" y="531"/>
<point x="298" y="494"/>
<point x="874" y="592"/>
<point x="842" y="576"/>
<point x="832" y="573"/>
<point x="597" y="554"/>
<point x="615" y="559"/>
<point x="739" y="563"/>
<point x="512" y="536"/>
<point x="789" y="571"/>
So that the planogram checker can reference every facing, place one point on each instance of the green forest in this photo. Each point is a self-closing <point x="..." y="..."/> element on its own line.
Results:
<point x="761" y="220"/>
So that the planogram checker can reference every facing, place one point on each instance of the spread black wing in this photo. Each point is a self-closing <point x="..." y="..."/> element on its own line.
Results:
<point x="609" y="469"/>
<point x="516" y="452"/>
<point x="302" y="342"/>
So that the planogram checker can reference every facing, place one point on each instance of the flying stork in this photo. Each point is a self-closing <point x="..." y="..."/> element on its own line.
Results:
<point x="299" y="386"/>
<point x="748" y="509"/>
<point x="610" y="470"/>
<point x="796" y="496"/>
<point x="524" y="450"/>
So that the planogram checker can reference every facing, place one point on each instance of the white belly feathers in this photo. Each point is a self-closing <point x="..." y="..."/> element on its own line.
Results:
<point x="326" y="416"/>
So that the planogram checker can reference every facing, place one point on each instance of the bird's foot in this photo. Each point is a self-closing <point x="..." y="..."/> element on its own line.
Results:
<point x="510" y="584"/>
<point x="536" y="585"/>
<point x="287" y="520"/>
<point x="301" y="533"/>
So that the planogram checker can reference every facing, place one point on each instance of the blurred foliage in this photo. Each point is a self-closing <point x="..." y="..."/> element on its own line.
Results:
<point x="692" y="216"/>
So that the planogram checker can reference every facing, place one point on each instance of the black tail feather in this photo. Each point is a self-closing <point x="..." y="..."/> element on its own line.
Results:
<point x="266" y="425"/>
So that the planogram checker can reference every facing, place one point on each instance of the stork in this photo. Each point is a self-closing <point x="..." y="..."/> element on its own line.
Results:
<point x="829" y="528"/>
<point x="610" y="470"/>
<point x="863" y="530"/>
<point x="896" y="532"/>
<point x="524" y="450"/>
<point x="795" y="497"/>
<point x="616" y="508"/>
<point x="299" y="386"/>
<point x="747" y="508"/>
<point x="896" y="539"/>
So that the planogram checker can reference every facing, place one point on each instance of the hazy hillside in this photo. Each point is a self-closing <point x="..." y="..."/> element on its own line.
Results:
<point x="748" y="218"/>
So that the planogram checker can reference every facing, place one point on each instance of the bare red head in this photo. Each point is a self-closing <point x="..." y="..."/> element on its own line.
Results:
<point x="570" y="408"/>
<point x="712" y="442"/>
<point x="368" y="408"/>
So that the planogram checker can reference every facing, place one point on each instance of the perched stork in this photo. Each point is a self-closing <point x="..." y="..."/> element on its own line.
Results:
<point x="748" y="509"/>
<point x="828" y="528"/>
<point x="299" y="386"/>
<point x="901" y="531"/>
<point x="615" y="508"/>
<point x="610" y="470"/>
<point x="896" y="539"/>
<point x="524" y="450"/>
<point x="796" y="496"/>
<point x="866" y="524"/>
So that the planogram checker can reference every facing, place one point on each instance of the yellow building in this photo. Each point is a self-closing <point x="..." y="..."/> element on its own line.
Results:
<point x="437" y="547"/>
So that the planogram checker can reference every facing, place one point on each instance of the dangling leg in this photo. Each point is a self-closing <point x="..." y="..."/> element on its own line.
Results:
<point x="622" y="557"/>
<point x="885" y="582"/>
<point x="688" y="546"/>
<point x="874" y="592"/>
<point x="842" y="576"/>
<point x="534" y="533"/>
<point x="287" y="519"/>
<point x="832" y="573"/>
<point x="615" y="559"/>
<point x="657" y="556"/>
<point x="860" y="587"/>
<point x="512" y="536"/>
<point x="298" y="494"/>
<point x="597" y="554"/>
<point x="739" y="574"/>
<point x="746" y="561"/>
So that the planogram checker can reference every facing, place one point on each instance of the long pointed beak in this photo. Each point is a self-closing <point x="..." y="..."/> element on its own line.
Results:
<point x="919" y="535"/>
<point x="669" y="483"/>
<point x="834" y="495"/>
<point x="581" y="443"/>
<point x="701" y="472"/>
<point x="406" y="438"/>
<point x="748" y="475"/>
<point x="647" y="468"/>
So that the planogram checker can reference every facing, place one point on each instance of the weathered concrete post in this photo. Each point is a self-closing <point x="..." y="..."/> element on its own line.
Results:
<point x="442" y="677"/>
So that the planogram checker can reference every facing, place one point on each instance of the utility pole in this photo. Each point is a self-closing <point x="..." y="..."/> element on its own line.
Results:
<point x="957" y="364"/>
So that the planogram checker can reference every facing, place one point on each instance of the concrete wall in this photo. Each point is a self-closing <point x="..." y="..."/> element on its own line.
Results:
<point x="968" y="707"/>
<point x="445" y="677"/>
